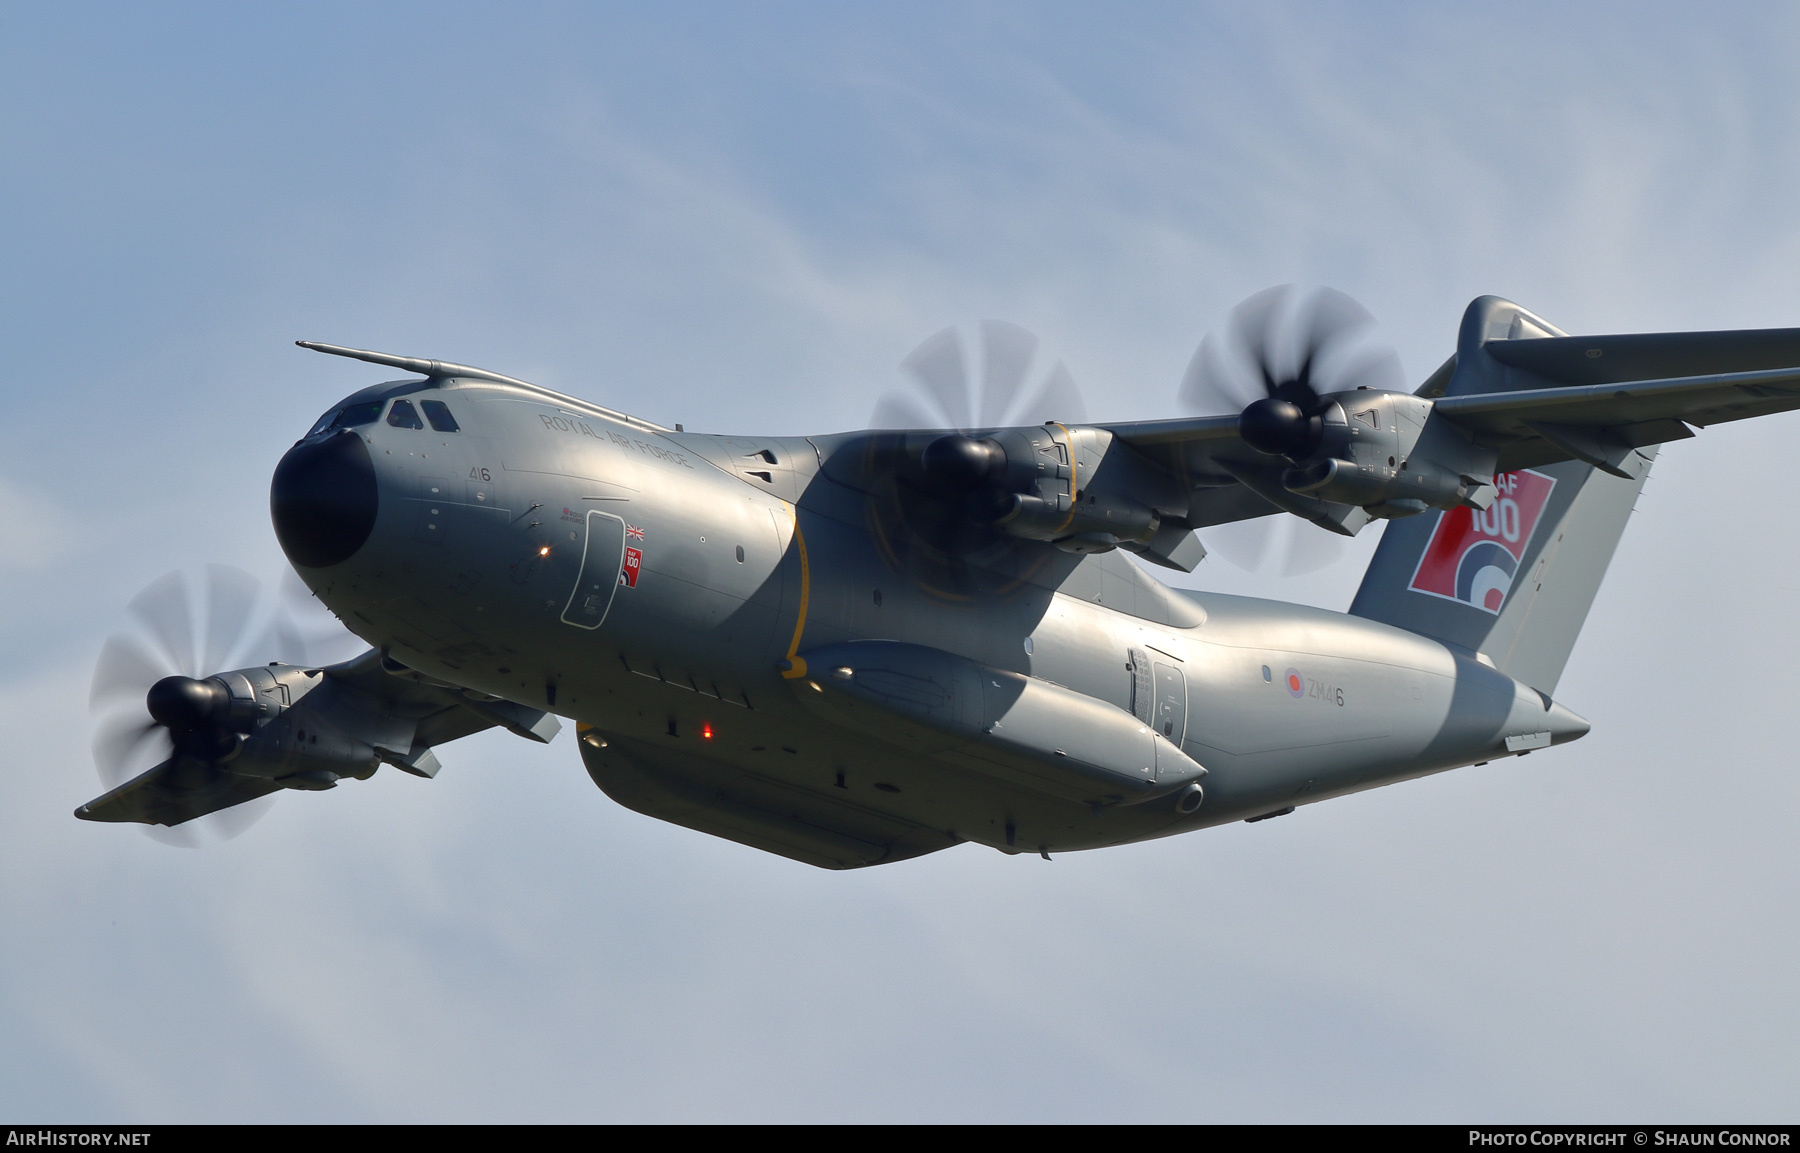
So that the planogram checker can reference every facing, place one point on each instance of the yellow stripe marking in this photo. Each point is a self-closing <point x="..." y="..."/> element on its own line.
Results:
<point x="796" y="664"/>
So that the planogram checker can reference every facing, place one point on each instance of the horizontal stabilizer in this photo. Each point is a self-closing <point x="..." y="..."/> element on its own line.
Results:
<point x="1651" y="355"/>
<point x="1641" y="412"/>
<point x="1521" y="386"/>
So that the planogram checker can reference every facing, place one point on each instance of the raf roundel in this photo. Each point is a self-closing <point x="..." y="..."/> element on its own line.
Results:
<point x="1475" y="553"/>
<point x="1295" y="683"/>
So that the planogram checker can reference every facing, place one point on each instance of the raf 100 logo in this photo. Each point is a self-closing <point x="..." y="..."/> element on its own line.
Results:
<point x="1501" y="519"/>
<point x="1475" y="553"/>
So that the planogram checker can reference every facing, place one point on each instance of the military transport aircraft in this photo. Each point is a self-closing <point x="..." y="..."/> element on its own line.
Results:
<point x="858" y="648"/>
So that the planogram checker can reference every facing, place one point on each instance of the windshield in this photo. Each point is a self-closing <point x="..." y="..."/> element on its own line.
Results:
<point x="352" y="415"/>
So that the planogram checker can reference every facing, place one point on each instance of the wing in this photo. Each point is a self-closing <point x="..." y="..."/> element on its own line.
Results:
<point x="369" y="710"/>
<point x="178" y="790"/>
<point x="1228" y="480"/>
<point x="1518" y="393"/>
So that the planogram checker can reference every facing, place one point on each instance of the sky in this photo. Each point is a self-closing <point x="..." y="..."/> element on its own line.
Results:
<point x="743" y="218"/>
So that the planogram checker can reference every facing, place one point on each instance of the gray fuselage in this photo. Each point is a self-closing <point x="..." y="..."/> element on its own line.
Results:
<point x="748" y="555"/>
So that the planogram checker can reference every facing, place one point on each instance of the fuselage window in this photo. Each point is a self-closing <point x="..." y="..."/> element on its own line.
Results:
<point x="438" y="413"/>
<point x="404" y="415"/>
<point x="352" y="415"/>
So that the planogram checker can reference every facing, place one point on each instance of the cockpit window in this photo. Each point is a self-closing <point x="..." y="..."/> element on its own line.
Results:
<point x="404" y="415"/>
<point x="438" y="413"/>
<point x="352" y="415"/>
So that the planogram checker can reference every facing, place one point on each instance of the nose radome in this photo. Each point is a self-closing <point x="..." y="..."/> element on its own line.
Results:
<point x="323" y="500"/>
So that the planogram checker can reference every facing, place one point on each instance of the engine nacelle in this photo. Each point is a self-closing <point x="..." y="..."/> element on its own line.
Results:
<point x="297" y="727"/>
<point x="1106" y="515"/>
<point x="1076" y="485"/>
<point x="1385" y="453"/>
<point x="1412" y="487"/>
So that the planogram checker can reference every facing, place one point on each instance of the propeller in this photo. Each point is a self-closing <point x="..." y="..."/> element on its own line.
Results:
<point x="944" y="395"/>
<point x="150" y="694"/>
<point x="1282" y="354"/>
<point x="931" y="512"/>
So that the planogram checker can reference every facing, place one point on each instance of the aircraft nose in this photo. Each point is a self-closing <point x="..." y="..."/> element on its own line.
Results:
<point x="323" y="500"/>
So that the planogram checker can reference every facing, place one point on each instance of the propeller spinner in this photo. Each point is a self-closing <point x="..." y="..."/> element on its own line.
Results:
<point x="937" y="503"/>
<point x="1282" y="356"/>
<point x="154" y="700"/>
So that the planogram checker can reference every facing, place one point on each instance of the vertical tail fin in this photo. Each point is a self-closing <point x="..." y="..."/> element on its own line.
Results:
<point x="1515" y="581"/>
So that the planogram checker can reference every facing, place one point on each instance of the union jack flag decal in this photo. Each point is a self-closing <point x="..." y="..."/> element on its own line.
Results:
<point x="634" y="532"/>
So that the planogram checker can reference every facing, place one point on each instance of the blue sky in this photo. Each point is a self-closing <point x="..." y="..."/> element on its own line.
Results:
<point x="743" y="218"/>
